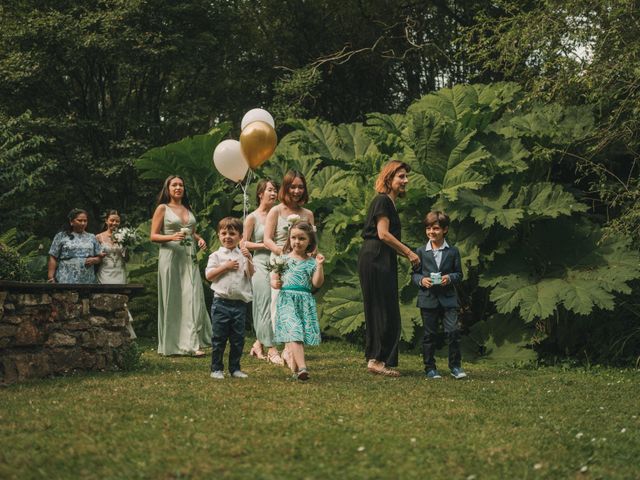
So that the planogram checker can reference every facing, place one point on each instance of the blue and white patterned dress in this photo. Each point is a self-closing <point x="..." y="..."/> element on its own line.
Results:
<point x="71" y="250"/>
<point x="296" y="313"/>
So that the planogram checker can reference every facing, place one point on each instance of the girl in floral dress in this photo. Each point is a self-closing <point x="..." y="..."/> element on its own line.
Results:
<point x="296" y="314"/>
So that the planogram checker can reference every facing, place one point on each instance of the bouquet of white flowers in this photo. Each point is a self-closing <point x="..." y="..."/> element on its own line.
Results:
<point x="186" y="231"/>
<point x="277" y="265"/>
<point x="126" y="237"/>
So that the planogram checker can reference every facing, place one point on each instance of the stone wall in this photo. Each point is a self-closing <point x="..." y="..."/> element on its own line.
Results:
<point x="49" y="329"/>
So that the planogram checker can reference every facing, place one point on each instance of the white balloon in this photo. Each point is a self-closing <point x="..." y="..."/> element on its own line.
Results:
<point x="257" y="115"/>
<point x="229" y="160"/>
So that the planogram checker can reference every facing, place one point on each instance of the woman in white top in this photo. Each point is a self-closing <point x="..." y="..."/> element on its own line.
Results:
<point x="113" y="269"/>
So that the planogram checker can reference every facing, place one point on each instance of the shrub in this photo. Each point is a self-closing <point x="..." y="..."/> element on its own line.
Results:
<point x="12" y="267"/>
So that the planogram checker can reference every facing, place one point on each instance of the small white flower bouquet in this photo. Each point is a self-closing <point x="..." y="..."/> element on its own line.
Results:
<point x="126" y="237"/>
<point x="186" y="231"/>
<point x="278" y="265"/>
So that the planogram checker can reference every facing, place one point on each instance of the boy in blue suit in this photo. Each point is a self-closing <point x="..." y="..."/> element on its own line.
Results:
<point x="439" y="270"/>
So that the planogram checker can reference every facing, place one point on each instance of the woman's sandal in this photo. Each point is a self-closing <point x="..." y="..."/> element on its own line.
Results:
<point x="256" y="351"/>
<point x="199" y="353"/>
<point x="387" y="372"/>
<point x="275" y="358"/>
<point x="302" y="374"/>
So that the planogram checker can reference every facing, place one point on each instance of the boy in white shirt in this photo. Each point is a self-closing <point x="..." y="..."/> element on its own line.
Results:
<point x="229" y="270"/>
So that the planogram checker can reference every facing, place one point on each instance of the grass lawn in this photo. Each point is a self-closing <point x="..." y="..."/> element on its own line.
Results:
<point x="170" y="420"/>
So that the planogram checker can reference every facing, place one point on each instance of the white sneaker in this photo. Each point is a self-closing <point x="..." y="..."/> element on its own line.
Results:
<point x="218" y="375"/>
<point x="239" y="374"/>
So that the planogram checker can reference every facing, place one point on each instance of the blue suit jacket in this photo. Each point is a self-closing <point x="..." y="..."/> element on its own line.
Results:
<point x="438" y="295"/>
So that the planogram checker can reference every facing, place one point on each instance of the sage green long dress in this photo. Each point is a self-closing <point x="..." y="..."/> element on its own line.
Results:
<point x="183" y="322"/>
<point x="280" y="238"/>
<point x="261" y="307"/>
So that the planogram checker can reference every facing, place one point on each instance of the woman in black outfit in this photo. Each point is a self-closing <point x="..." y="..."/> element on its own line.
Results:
<point x="378" y="270"/>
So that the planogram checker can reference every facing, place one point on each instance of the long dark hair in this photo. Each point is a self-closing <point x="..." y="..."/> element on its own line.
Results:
<point x="164" y="196"/>
<point x="288" y="179"/>
<point x="72" y="215"/>
<point x="262" y="187"/>
<point x="106" y="216"/>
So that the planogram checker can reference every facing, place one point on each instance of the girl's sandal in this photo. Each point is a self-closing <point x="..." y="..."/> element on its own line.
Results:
<point x="302" y="374"/>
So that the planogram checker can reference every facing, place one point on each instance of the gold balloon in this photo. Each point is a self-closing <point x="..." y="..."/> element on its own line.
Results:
<point x="258" y="142"/>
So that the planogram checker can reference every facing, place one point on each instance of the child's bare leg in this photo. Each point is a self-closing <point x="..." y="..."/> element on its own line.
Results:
<point x="297" y="352"/>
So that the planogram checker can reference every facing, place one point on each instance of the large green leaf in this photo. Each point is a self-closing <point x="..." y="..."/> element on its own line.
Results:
<point x="558" y="123"/>
<point x="487" y="209"/>
<point x="561" y="264"/>
<point x="343" y="308"/>
<point x="547" y="200"/>
<point x="500" y="339"/>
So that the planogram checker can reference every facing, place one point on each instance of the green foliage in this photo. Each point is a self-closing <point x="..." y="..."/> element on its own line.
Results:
<point x="23" y="260"/>
<point x="128" y="357"/>
<point x="501" y="339"/>
<point x="23" y="171"/>
<point x="11" y="265"/>
<point x="477" y="152"/>
<point x="484" y="157"/>
<point x="570" y="53"/>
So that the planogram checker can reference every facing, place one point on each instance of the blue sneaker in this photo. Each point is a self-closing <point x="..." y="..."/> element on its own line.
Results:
<point x="433" y="373"/>
<point x="458" y="373"/>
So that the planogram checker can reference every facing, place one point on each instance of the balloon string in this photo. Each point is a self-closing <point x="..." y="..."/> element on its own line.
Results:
<point x="245" y="196"/>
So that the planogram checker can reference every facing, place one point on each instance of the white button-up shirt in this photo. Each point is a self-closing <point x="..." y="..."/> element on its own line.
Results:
<point x="437" y="252"/>
<point x="232" y="284"/>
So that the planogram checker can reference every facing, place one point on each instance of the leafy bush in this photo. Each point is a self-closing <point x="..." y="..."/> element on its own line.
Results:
<point x="128" y="357"/>
<point x="532" y="257"/>
<point x="12" y="267"/>
<point x="26" y="260"/>
<point x="530" y="253"/>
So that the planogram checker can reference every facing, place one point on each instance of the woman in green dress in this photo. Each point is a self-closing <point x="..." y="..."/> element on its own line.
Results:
<point x="184" y="327"/>
<point x="266" y="195"/>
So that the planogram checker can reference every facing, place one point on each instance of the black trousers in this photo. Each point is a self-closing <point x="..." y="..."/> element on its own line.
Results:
<point x="228" y="319"/>
<point x="430" y="318"/>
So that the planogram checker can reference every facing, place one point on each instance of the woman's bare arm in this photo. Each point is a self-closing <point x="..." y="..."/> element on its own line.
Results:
<point x="270" y="226"/>
<point x="247" y="233"/>
<point x="387" y="237"/>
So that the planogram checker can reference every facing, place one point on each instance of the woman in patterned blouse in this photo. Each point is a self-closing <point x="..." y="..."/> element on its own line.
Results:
<point x="74" y="252"/>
